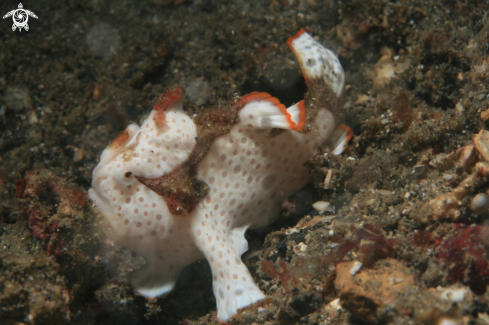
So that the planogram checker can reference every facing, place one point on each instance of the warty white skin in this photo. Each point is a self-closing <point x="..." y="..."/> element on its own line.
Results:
<point x="249" y="175"/>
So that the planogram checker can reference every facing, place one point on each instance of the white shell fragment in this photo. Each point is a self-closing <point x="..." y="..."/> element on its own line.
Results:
<point x="322" y="206"/>
<point x="356" y="267"/>
<point x="300" y="249"/>
<point x="334" y="304"/>
<point x="454" y="294"/>
<point x="327" y="179"/>
<point x="394" y="281"/>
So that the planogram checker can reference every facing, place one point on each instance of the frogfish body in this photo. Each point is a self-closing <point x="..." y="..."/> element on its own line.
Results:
<point x="183" y="188"/>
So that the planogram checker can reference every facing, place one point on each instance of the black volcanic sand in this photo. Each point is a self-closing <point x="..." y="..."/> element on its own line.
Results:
<point x="416" y="84"/>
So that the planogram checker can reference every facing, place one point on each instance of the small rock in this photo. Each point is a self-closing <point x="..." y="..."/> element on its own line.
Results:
<point x="78" y="155"/>
<point x="385" y="192"/>
<point x="467" y="157"/>
<point x="484" y="114"/>
<point x="300" y="248"/>
<point x="370" y="289"/>
<point x="480" y="203"/>
<point x="443" y="161"/>
<point x="33" y="118"/>
<point x="448" y="177"/>
<point x="419" y="172"/>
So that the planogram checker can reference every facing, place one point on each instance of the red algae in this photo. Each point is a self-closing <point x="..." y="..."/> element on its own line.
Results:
<point x="421" y="238"/>
<point x="466" y="255"/>
<point x="464" y="250"/>
<point x="20" y="188"/>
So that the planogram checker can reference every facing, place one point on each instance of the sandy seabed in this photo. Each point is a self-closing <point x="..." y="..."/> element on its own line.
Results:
<point x="408" y="191"/>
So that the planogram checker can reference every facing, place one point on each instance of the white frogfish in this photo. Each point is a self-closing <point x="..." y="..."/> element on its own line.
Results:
<point x="181" y="188"/>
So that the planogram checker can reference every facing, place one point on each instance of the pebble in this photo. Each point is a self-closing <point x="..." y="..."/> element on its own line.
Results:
<point x="480" y="203"/>
<point x="78" y="155"/>
<point x="33" y="118"/>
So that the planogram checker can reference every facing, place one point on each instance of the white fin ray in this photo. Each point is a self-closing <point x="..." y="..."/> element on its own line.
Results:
<point x="262" y="111"/>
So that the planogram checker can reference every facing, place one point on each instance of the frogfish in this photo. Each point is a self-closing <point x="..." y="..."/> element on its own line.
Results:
<point x="185" y="187"/>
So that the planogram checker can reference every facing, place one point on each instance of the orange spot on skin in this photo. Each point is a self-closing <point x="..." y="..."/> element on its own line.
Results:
<point x="121" y="139"/>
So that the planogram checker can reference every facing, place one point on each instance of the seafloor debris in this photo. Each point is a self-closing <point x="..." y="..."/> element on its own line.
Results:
<point x="388" y="293"/>
<point x="51" y="207"/>
<point x="64" y="245"/>
<point x="448" y="205"/>
<point x="443" y="161"/>
<point x="386" y="69"/>
<point x="31" y="289"/>
<point x="370" y="242"/>
<point x="481" y="141"/>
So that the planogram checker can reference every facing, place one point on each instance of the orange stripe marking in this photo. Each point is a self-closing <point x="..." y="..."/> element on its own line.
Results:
<point x="347" y="130"/>
<point x="302" y="115"/>
<point x="170" y="96"/>
<point x="291" y="39"/>
<point x="291" y="46"/>
<point x="255" y="96"/>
